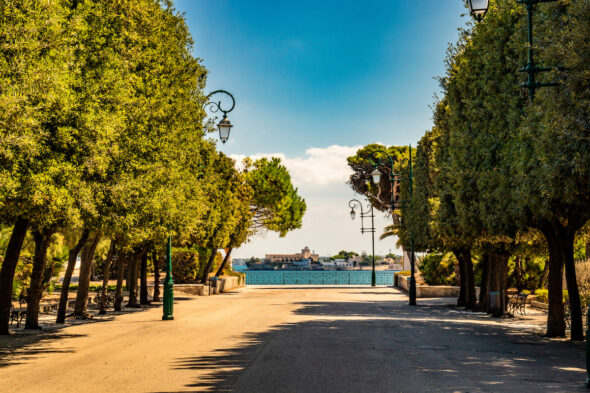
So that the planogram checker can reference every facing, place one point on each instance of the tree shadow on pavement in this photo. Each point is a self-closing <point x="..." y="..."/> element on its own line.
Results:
<point x="19" y="347"/>
<point x="386" y="347"/>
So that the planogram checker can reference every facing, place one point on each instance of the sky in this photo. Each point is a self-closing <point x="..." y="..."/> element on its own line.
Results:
<point x="316" y="80"/>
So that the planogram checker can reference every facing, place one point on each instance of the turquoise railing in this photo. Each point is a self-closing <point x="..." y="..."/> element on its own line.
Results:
<point x="352" y="277"/>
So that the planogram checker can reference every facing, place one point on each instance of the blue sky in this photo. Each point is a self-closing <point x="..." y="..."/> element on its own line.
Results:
<point x="318" y="74"/>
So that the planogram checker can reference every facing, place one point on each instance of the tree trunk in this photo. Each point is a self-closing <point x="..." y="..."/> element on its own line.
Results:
<point x="576" y="325"/>
<point x="207" y="269"/>
<point x="225" y="260"/>
<point x="555" y="314"/>
<point x="470" y="298"/>
<point x="132" y="282"/>
<point x="120" y="273"/>
<point x="35" y="293"/>
<point x="518" y="274"/>
<point x="544" y="276"/>
<point x="143" y="291"/>
<point x="65" y="287"/>
<point x="156" y="297"/>
<point x="85" y="272"/>
<point x="15" y="245"/>
<point x="462" y="299"/>
<point x="105" y="280"/>
<point x="485" y="282"/>
<point x="498" y="276"/>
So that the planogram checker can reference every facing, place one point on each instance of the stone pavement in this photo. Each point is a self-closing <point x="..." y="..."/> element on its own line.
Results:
<point x="296" y="339"/>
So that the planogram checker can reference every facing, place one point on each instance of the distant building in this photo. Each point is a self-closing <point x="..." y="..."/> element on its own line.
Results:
<point x="338" y="264"/>
<point x="355" y="259"/>
<point x="304" y="254"/>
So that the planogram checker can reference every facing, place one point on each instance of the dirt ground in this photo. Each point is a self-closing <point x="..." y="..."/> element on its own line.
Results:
<point x="294" y="339"/>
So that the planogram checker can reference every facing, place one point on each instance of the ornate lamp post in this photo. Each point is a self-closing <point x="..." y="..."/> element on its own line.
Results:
<point x="168" y="285"/>
<point x="224" y="127"/>
<point x="354" y="203"/>
<point x="395" y="178"/>
<point x="478" y="9"/>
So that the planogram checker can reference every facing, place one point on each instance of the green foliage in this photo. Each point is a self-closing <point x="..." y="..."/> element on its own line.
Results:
<point x="275" y="204"/>
<point x="185" y="265"/>
<point x="343" y="254"/>
<point x="92" y="287"/>
<point x="439" y="268"/>
<point x="580" y="249"/>
<point x="360" y="180"/>
<point x="542" y="295"/>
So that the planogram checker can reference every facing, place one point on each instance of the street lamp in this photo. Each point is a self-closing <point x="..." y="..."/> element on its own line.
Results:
<point x="478" y="8"/>
<point x="224" y="125"/>
<point x="376" y="175"/>
<point x="395" y="178"/>
<point x="369" y="213"/>
<point x="168" y="285"/>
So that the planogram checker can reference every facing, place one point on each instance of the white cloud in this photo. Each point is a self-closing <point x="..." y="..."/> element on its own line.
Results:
<point x="319" y="166"/>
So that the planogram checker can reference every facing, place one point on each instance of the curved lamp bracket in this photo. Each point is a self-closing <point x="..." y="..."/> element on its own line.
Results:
<point x="217" y="106"/>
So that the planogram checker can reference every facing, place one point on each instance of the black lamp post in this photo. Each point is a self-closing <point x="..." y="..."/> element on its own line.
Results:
<point x="395" y="178"/>
<point x="369" y="213"/>
<point x="478" y="9"/>
<point x="224" y="125"/>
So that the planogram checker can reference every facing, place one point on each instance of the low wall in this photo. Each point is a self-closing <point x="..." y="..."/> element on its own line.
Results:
<point x="539" y="305"/>
<point x="423" y="291"/>
<point x="183" y="289"/>
<point x="229" y="283"/>
<point x="224" y="284"/>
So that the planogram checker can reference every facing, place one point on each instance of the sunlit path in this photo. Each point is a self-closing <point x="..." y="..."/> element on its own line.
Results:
<point x="295" y="339"/>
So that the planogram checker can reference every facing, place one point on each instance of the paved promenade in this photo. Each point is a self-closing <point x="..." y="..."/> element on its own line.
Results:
<point x="311" y="339"/>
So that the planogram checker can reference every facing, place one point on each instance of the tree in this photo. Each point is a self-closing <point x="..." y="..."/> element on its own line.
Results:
<point x="275" y="204"/>
<point x="553" y="151"/>
<point x="380" y="196"/>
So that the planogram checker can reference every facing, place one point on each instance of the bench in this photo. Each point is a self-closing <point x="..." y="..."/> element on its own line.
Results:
<point x="517" y="303"/>
<point x="109" y="299"/>
<point x="18" y="315"/>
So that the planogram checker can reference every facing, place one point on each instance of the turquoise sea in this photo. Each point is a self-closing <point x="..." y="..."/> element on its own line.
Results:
<point x="352" y="277"/>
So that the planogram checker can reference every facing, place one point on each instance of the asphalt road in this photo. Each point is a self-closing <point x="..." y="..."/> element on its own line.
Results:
<point x="306" y="339"/>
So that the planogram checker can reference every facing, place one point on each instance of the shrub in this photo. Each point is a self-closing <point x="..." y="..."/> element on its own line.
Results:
<point x="185" y="265"/>
<point x="91" y="288"/>
<point x="543" y="295"/>
<point x="438" y="269"/>
<point x="583" y="277"/>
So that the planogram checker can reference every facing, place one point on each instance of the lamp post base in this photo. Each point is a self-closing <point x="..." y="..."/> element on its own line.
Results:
<point x="168" y="302"/>
<point x="587" y="383"/>
<point x="412" y="291"/>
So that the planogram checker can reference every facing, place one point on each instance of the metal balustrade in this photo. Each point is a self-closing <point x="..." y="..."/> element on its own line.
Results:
<point x="349" y="277"/>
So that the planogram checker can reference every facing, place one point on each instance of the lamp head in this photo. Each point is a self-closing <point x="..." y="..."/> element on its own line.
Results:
<point x="224" y="129"/>
<point x="376" y="175"/>
<point x="478" y="8"/>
